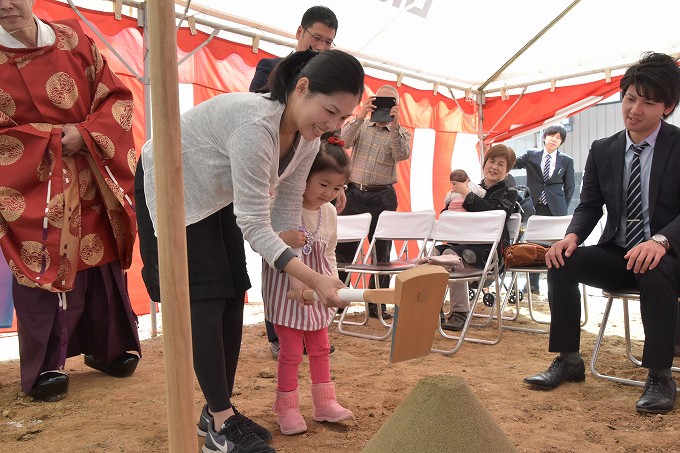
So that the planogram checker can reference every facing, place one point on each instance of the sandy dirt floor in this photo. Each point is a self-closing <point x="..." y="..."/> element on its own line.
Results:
<point x="105" y="414"/>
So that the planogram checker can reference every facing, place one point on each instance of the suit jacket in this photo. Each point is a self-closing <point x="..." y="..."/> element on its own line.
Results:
<point x="603" y="185"/>
<point x="559" y="188"/>
<point x="262" y="70"/>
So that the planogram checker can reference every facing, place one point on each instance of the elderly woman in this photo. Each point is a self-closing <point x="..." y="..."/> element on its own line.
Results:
<point x="497" y="163"/>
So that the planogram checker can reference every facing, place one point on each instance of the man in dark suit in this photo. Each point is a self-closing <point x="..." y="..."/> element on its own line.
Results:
<point x="550" y="177"/>
<point x="316" y="32"/>
<point x="634" y="173"/>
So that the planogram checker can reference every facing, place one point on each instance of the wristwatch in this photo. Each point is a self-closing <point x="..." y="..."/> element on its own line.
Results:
<point x="661" y="239"/>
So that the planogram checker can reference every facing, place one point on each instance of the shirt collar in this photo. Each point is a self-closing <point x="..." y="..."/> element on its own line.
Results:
<point x="46" y="36"/>
<point x="545" y="153"/>
<point x="374" y="124"/>
<point x="651" y="139"/>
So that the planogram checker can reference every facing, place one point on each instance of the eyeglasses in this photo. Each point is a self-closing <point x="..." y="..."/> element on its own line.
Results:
<point x="328" y="42"/>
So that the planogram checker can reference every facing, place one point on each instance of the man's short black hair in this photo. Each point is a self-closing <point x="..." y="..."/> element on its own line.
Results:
<point x="656" y="76"/>
<point x="555" y="129"/>
<point x="319" y="14"/>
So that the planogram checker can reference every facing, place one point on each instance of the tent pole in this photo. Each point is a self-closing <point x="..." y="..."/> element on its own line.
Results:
<point x="153" y="304"/>
<point x="529" y="44"/>
<point x="172" y="251"/>
<point x="480" y="128"/>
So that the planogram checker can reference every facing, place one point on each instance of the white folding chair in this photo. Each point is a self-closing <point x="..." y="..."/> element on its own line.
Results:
<point x="392" y="226"/>
<point x="542" y="229"/>
<point x="625" y="296"/>
<point x="353" y="228"/>
<point x="470" y="228"/>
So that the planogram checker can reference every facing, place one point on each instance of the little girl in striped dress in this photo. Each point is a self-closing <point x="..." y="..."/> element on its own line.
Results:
<point x="306" y="326"/>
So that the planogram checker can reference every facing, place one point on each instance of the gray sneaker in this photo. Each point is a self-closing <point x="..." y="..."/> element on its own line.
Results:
<point x="206" y="420"/>
<point x="218" y="442"/>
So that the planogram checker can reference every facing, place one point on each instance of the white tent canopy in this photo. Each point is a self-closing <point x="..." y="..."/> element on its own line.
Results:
<point x="466" y="45"/>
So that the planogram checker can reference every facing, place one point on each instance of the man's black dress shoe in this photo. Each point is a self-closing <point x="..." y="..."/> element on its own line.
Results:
<point x="50" y="386"/>
<point x="123" y="366"/>
<point x="559" y="371"/>
<point x="658" y="397"/>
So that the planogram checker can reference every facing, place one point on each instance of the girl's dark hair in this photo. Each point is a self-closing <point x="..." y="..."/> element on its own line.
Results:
<point x="331" y="157"/>
<point x="655" y="76"/>
<point x="329" y="72"/>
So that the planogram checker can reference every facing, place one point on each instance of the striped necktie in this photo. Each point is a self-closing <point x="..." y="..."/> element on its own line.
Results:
<point x="546" y="176"/>
<point x="635" y="232"/>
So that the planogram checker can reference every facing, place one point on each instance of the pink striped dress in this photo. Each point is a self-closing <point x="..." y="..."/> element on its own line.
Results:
<point x="283" y="311"/>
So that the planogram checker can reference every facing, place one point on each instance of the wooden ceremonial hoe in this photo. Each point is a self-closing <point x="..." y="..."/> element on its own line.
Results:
<point x="418" y="296"/>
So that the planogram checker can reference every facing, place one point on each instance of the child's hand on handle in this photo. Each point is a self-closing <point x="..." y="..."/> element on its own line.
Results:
<point x="325" y="287"/>
<point x="293" y="238"/>
<point x="296" y="292"/>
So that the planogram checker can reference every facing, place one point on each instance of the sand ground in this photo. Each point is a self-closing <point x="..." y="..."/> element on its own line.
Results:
<point x="105" y="414"/>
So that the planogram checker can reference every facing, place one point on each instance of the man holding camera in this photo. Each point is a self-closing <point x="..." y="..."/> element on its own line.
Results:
<point x="377" y="145"/>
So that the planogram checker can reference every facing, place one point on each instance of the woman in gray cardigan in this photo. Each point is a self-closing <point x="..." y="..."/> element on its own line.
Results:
<point x="245" y="159"/>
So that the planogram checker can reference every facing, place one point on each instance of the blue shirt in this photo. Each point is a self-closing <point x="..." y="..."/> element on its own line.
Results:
<point x="645" y="170"/>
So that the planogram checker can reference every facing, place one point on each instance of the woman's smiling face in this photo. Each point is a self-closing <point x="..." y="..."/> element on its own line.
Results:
<point x="495" y="170"/>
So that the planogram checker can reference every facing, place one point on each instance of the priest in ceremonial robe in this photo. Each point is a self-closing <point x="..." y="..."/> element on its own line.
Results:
<point x="67" y="221"/>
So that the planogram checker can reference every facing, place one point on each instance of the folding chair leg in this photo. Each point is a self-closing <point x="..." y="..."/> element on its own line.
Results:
<point x="463" y="333"/>
<point x="629" y="354"/>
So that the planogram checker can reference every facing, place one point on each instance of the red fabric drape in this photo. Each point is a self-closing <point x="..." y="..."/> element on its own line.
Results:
<point x="222" y="66"/>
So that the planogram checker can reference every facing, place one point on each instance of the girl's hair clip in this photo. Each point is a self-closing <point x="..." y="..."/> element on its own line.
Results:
<point x="336" y="141"/>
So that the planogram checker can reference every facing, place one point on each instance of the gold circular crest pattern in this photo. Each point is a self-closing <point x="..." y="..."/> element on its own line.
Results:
<point x="97" y="57"/>
<point x="4" y="228"/>
<point x="89" y="73"/>
<point x="62" y="90"/>
<point x="32" y="255"/>
<point x="115" y="188"/>
<point x="12" y="204"/>
<point x="86" y="184"/>
<point x="5" y="120"/>
<point x="11" y="149"/>
<point x="117" y="218"/>
<point x="74" y="222"/>
<point x="3" y="57"/>
<point x="55" y="210"/>
<point x="122" y="113"/>
<point x="7" y="104"/>
<point x="100" y="95"/>
<point x="67" y="38"/>
<point x="91" y="249"/>
<point x="105" y="147"/>
<point x="21" y="278"/>
<point x="46" y="166"/>
<point x="65" y="269"/>
<point x="132" y="160"/>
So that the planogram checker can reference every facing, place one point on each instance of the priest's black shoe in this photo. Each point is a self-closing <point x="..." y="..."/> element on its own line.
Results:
<point x="50" y="386"/>
<point x="123" y="366"/>
<point x="658" y="397"/>
<point x="559" y="371"/>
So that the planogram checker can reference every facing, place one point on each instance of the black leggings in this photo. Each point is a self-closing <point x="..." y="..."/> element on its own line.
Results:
<point x="216" y="332"/>
<point x="218" y="280"/>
